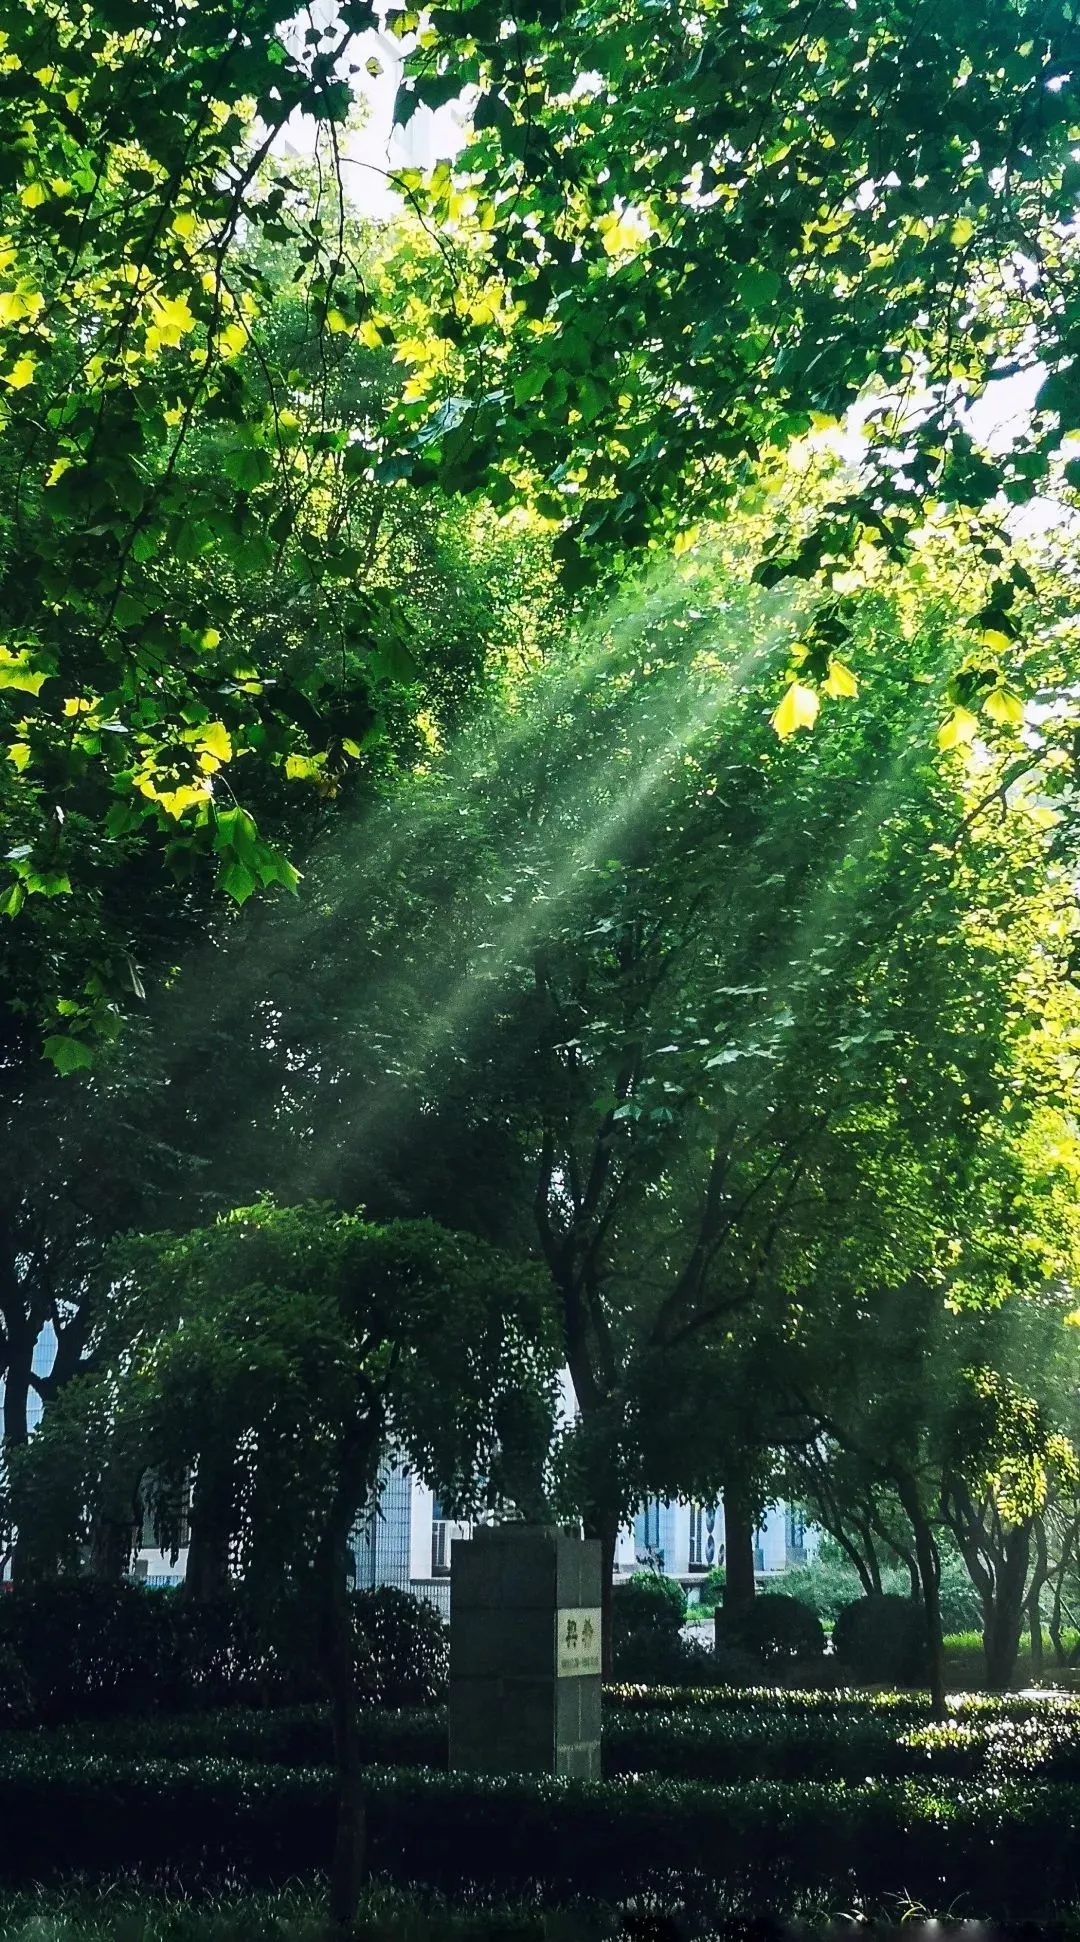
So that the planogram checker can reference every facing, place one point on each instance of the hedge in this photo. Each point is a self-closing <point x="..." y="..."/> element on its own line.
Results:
<point x="912" y="1707"/>
<point x="759" y="1849"/>
<point x="758" y="1742"/>
<point x="89" y="1651"/>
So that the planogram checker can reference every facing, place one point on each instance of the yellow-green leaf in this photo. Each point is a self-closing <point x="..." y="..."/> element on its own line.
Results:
<point x="16" y="672"/>
<point x="961" y="728"/>
<point x="15" y="305"/>
<point x="799" y="709"/>
<point x="21" y="374"/>
<point x="1004" y="706"/>
<point x="840" y="683"/>
<point x="216" y="740"/>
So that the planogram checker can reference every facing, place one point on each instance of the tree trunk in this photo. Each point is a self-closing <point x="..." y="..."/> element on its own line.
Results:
<point x="604" y="1527"/>
<point x="1001" y="1636"/>
<point x="25" y="1566"/>
<point x="929" y="1563"/>
<point x="740" y="1525"/>
<point x="357" y="1469"/>
<point x="339" y="1673"/>
<point x="206" y="1575"/>
<point x="1034" y="1598"/>
<point x="110" y="1548"/>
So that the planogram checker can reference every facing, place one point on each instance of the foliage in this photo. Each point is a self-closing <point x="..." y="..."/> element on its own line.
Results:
<point x="712" y="1588"/>
<point x="127" y="323"/>
<point x="649" y="1601"/>
<point x="409" y="1646"/>
<point x="776" y="1627"/>
<point x="16" y="1694"/>
<point x="757" y="1737"/>
<point x="676" y="240"/>
<point x="639" y="947"/>
<point x="661" y="1656"/>
<point x="278" y="1325"/>
<point x="73" y="1914"/>
<point x="882" y="1638"/>
<point x="761" y="1847"/>
<point x="86" y="1651"/>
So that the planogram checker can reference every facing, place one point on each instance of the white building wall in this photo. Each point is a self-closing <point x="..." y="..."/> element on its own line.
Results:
<point x="421" y="1502"/>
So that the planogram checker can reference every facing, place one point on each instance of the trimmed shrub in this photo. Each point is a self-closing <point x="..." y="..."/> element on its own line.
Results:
<point x="774" y="1629"/>
<point x="409" y="1646"/>
<point x="712" y="1588"/>
<point x="882" y="1639"/>
<point x="16" y="1695"/>
<point x="758" y="1849"/>
<point x="655" y="1656"/>
<point x="90" y="1650"/>
<point x="648" y="1602"/>
<point x="94" y="1651"/>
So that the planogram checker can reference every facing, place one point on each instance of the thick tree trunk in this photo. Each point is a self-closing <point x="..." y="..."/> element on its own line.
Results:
<point x="339" y="1673"/>
<point x="1001" y="1635"/>
<point x="206" y="1576"/>
<point x="110" y="1548"/>
<point x="740" y="1526"/>
<point x="1034" y="1598"/>
<point x="604" y="1527"/>
<point x="929" y="1563"/>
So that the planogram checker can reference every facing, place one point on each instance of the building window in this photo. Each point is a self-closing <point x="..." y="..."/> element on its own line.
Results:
<point x="650" y="1552"/>
<point x="443" y="1532"/>
<point x="704" y="1547"/>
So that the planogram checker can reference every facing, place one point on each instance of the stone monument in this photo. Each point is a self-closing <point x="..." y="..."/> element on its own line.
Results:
<point x="525" y="1652"/>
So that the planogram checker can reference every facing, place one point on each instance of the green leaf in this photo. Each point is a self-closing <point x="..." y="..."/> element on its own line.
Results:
<point x="237" y="881"/>
<point x="68" y="1054"/>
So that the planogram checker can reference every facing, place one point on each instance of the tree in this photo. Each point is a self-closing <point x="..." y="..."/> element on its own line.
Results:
<point x="178" y="648"/>
<point x="676" y="238"/>
<point x="729" y="1019"/>
<point x="148" y="1137"/>
<point x="282" y="1350"/>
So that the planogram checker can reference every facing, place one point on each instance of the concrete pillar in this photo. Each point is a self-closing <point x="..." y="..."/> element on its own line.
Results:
<point x="525" y="1652"/>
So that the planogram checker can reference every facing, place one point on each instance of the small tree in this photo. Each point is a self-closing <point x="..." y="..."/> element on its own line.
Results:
<point x="289" y="1348"/>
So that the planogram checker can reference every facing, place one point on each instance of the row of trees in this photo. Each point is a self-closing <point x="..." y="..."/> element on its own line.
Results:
<point x="763" y="1049"/>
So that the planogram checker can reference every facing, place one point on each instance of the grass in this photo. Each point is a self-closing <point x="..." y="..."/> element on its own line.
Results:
<point x="965" y="1666"/>
<point x="292" y="1915"/>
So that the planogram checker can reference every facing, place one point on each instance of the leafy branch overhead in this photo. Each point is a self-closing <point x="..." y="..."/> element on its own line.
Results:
<point x="680" y="238"/>
<point x="161" y="465"/>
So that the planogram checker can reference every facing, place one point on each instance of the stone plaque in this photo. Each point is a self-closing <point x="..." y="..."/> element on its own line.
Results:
<point x="577" y="1642"/>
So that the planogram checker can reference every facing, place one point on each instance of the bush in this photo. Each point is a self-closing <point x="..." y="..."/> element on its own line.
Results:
<point x="94" y="1651"/>
<point x="657" y="1656"/>
<point x="757" y="1849"/>
<point x="648" y="1602"/>
<point x="409" y="1646"/>
<point x="16" y="1695"/>
<point x="712" y="1588"/>
<point x="773" y="1629"/>
<point x="882" y="1639"/>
